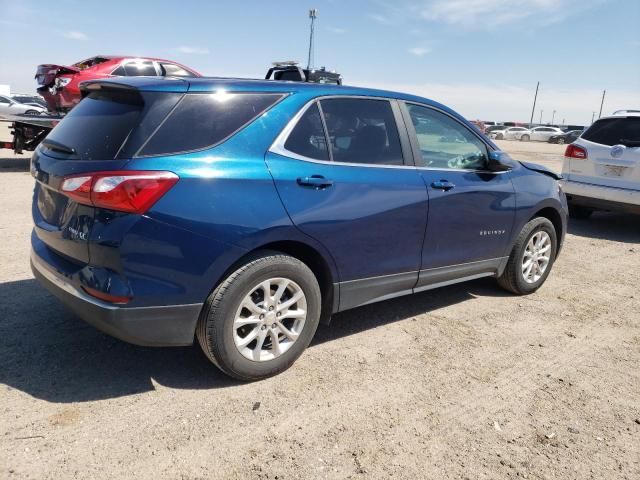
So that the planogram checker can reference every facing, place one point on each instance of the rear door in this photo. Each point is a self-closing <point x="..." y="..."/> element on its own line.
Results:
<point x="613" y="154"/>
<point x="340" y="170"/>
<point x="471" y="210"/>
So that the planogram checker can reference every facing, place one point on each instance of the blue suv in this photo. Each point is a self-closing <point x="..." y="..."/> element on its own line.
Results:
<point x="243" y="212"/>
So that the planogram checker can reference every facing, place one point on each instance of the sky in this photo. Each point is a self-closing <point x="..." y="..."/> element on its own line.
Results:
<point x="483" y="58"/>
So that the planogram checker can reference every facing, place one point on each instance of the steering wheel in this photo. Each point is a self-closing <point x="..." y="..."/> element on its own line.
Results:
<point x="463" y="161"/>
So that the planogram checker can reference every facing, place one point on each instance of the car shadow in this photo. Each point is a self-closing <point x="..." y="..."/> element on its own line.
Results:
<point x="50" y="354"/>
<point x="618" y="227"/>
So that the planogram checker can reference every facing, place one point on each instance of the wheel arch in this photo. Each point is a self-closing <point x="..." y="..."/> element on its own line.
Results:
<point x="554" y="216"/>
<point x="312" y="258"/>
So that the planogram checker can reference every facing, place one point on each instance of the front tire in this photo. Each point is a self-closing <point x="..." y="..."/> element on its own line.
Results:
<point x="560" y="141"/>
<point x="524" y="138"/>
<point x="531" y="258"/>
<point x="261" y="318"/>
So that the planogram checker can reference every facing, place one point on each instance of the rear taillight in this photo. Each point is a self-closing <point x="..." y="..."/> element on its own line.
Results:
<point x="575" y="151"/>
<point x="124" y="191"/>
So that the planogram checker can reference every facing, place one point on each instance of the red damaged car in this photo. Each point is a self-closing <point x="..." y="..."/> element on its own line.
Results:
<point x="59" y="84"/>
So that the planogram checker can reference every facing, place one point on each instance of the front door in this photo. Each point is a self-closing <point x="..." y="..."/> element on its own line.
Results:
<point x="471" y="210"/>
<point x="341" y="175"/>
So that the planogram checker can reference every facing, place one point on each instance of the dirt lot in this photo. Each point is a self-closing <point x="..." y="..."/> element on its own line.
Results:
<point x="462" y="382"/>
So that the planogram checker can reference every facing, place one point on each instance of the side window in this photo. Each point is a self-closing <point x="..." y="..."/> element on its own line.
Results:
<point x="140" y="68"/>
<point x="4" y="100"/>
<point x="171" y="70"/>
<point x="307" y="137"/>
<point x="362" y="131"/>
<point x="445" y="143"/>
<point x="202" y="120"/>
<point x="119" y="72"/>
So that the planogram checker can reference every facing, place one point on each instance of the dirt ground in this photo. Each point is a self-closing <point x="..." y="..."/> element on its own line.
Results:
<point x="465" y="382"/>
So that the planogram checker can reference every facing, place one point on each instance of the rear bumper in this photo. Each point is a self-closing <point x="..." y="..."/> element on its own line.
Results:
<point x="601" y="197"/>
<point x="162" y="326"/>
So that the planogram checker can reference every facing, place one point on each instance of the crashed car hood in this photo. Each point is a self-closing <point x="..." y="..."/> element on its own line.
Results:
<point x="540" y="169"/>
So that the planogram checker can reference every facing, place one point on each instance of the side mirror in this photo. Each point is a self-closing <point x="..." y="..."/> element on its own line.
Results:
<point x="498" y="162"/>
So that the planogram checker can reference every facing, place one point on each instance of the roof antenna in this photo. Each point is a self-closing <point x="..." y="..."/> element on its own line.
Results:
<point x="313" y="14"/>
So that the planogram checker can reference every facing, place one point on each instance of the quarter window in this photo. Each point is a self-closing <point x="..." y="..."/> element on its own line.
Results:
<point x="202" y="120"/>
<point x="172" y="70"/>
<point x="139" y="69"/>
<point x="445" y="143"/>
<point x="362" y="131"/>
<point x="307" y="137"/>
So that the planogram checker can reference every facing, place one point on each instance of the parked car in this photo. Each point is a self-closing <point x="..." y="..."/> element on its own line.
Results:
<point x="510" y="133"/>
<point x="60" y="84"/>
<point x="567" y="137"/>
<point x="541" y="134"/>
<point x="244" y="212"/>
<point x="601" y="169"/>
<point x="493" y="128"/>
<point x="26" y="99"/>
<point x="9" y="106"/>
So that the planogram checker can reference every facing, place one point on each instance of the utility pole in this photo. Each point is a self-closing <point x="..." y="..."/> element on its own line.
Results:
<point x="540" y="122"/>
<point x="535" y="97"/>
<point x="553" y="116"/>
<point x="593" y="115"/>
<point x="602" y="103"/>
<point x="313" y="14"/>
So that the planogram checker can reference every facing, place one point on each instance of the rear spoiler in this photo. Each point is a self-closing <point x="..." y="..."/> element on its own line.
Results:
<point x="148" y="84"/>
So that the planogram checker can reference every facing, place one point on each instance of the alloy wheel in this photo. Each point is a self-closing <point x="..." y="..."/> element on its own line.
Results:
<point x="537" y="256"/>
<point x="269" y="319"/>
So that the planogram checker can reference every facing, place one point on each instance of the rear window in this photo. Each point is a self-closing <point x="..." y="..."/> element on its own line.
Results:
<point x="615" y="131"/>
<point x="117" y="124"/>
<point x="202" y="120"/>
<point x="109" y="124"/>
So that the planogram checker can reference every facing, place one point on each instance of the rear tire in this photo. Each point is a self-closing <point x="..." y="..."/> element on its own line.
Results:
<point x="515" y="277"/>
<point x="579" y="212"/>
<point x="524" y="138"/>
<point x="252" y="343"/>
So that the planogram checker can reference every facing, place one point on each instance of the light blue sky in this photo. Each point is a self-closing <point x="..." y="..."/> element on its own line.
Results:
<point x="482" y="57"/>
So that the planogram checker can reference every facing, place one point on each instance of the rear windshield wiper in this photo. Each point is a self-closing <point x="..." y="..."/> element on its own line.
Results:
<point x="630" y="143"/>
<point x="59" y="147"/>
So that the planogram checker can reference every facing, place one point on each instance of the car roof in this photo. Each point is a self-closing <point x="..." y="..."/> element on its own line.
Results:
<point x="212" y="84"/>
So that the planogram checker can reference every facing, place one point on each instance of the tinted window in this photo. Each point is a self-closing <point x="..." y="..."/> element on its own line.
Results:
<point x="362" y="131"/>
<point x="98" y="127"/>
<point x="4" y="100"/>
<point x="139" y="69"/>
<point x="445" y="143"/>
<point x="203" y="120"/>
<point x="307" y="137"/>
<point x="120" y="71"/>
<point x="614" y="131"/>
<point x="171" y="70"/>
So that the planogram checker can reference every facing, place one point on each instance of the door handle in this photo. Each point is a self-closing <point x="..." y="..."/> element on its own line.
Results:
<point x="445" y="185"/>
<point x="315" y="181"/>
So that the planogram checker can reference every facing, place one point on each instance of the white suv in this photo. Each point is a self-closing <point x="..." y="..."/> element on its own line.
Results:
<point x="602" y="168"/>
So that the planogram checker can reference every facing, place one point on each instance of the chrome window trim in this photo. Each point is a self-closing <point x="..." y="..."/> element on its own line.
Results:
<point x="278" y="148"/>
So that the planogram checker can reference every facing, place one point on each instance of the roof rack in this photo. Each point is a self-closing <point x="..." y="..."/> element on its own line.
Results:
<point x="292" y="71"/>
<point x="622" y="112"/>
